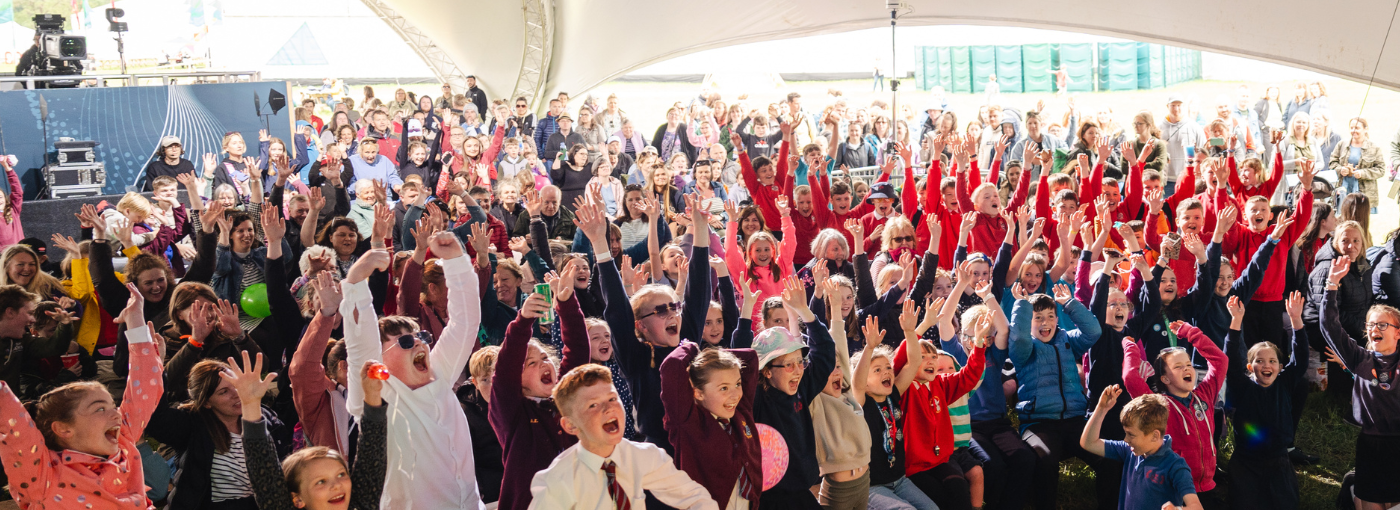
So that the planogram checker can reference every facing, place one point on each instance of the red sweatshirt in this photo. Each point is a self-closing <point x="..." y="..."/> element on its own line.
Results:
<point x="949" y="217"/>
<point x="827" y="218"/>
<point x="928" y="430"/>
<point x="1244" y="193"/>
<point x="1241" y="243"/>
<point x="807" y="226"/>
<point x="990" y="230"/>
<point x="766" y="197"/>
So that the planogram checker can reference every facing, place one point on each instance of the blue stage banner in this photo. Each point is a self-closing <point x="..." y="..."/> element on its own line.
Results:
<point x="128" y="123"/>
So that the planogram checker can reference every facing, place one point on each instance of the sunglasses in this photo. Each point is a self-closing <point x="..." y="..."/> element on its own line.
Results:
<point x="903" y="239"/>
<point x="408" y="340"/>
<point x="668" y="308"/>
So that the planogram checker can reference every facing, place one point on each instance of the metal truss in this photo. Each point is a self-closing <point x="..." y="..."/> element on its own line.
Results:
<point x="442" y="65"/>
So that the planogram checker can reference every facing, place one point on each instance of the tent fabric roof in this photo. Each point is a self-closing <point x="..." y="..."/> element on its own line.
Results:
<point x="597" y="40"/>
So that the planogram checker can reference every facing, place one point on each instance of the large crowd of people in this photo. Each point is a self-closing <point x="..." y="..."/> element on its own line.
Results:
<point x="570" y="314"/>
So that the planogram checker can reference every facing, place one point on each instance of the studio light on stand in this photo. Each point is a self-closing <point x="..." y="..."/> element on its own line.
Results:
<point x="117" y="26"/>
<point x="276" y="101"/>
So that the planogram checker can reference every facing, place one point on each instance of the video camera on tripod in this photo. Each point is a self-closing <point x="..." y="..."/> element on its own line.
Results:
<point x="59" y="54"/>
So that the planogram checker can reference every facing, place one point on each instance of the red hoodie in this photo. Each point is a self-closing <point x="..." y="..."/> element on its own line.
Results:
<point x="1240" y="244"/>
<point x="1192" y="427"/>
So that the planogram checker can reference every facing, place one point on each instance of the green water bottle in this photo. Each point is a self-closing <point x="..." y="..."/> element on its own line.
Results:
<point x="543" y="290"/>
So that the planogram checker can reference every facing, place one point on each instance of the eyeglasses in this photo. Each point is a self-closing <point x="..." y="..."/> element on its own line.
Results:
<point x="791" y="367"/>
<point x="1381" y="326"/>
<point x="903" y="239"/>
<point x="668" y="308"/>
<point x="1124" y="304"/>
<point x="408" y="340"/>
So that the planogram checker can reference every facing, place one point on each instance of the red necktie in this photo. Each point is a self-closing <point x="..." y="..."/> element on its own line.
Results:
<point x="618" y="495"/>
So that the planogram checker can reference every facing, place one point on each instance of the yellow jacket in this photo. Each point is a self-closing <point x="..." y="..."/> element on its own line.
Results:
<point x="81" y="289"/>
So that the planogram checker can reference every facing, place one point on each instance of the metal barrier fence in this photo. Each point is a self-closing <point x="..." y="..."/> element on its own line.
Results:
<point x="868" y="174"/>
<point x="131" y="80"/>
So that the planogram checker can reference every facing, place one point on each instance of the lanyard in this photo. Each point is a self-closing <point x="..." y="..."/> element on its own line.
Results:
<point x="894" y="434"/>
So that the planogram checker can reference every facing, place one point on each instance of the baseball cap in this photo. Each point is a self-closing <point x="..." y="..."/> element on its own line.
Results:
<point x="415" y="127"/>
<point x="614" y="138"/>
<point x="1175" y="98"/>
<point x="169" y="140"/>
<point x="565" y="116"/>
<point x="37" y="244"/>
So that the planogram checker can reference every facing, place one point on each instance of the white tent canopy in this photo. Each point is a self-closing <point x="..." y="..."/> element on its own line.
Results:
<point x="586" y="43"/>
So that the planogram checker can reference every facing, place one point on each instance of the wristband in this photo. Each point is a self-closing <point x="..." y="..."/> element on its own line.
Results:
<point x="190" y="339"/>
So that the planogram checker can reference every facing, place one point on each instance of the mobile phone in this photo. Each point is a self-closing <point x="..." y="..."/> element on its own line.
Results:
<point x="1117" y="225"/>
<point x="1217" y="142"/>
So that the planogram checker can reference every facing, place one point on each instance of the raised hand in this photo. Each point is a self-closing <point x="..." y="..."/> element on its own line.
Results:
<point x="371" y="386"/>
<point x="795" y="297"/>
<point x="1193" y="244"/>
<point x="202" y="319"/>
<point x="329" y="293"/>
<point x="89" y="218"/>
<point x="1340" y="267"/>
<point x="1018" y="292"/>
<point x="371" y="261"/>
<point x="274" y="227"/>
<point x="1110" y="397"/>
<point x="212" y="215"/>
<point x="1236" y="308"/>
<point x="982" y="331"/>
<point x="1155" y="201"/>
<point x="1294" y="305"/>
<point x="445" y="245"/>
<point x="247" y="380"/>
<point x="820" y="273"/>
<point x="594" y="224"/>
<point x="318" y="201"/>
<point x="134" y="315"/>
<point x="67" y="244"/>
<point x="228" y="319"/>
<point x="520" y="245"/>
<point x="562" y="284"/>
<point x="857" y="230"/>
<point x="1062" y="294"/>
<point x="1129" y="154"/>
<point x="873" y="334"/>
<point x="969" y="221"/>
<point x="909" y="316"/>
<point x="124" y="232"/>
<point x="383" y="225"/>
<point x="783" y="208"/>
<point x="211" y="166"/>
<point x="186" y="179"/>
<point x="480" y="238"/>
<point x="1281" y="226"/>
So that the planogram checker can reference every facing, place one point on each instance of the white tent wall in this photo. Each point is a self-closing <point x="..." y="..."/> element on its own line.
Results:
<point x="355" y="42"/>
<point x="597" y="40"/>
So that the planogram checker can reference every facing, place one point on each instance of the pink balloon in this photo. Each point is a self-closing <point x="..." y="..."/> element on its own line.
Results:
<point x="775" y="455"/>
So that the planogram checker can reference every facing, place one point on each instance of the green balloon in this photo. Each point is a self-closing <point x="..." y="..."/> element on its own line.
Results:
<point x="254" y="301"/>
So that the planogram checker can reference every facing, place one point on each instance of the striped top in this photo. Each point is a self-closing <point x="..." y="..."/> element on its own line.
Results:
<point x="252" y="275"/>
<point x="229" y="473"/>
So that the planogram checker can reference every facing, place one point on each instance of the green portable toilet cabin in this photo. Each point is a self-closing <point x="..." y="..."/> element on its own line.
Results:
<point x="1078" y="62"/>
<point x="1151" y="73"/>
<point x="1037" y="64"/>
<point x="984" y="65"/>
<point x="1118" y="66"/>
<point x="1009" y="67"/>
<point x="962" y="70"/>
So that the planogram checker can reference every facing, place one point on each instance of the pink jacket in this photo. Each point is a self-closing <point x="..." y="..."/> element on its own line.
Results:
<point x="12" y="231"/>
<point x="767" y="283"/>
<point x="1192" y="428"/>
<point x="43" y="478"/>
<point x="312" y="390"/>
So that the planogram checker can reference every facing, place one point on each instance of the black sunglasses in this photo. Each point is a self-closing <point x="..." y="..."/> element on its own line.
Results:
<point x="407" y="340"/>
<point x="660" y="309"/>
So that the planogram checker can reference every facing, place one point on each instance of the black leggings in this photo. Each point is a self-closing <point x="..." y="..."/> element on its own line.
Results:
<point x="1008" y="458"/>
<point x="1055" y="441"/>
<point x="945" y="485"/>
